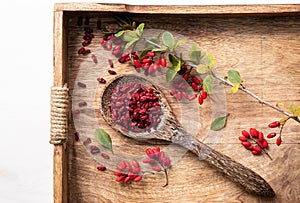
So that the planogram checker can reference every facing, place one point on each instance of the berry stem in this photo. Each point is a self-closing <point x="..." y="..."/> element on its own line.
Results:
<point x="261" y="148"/>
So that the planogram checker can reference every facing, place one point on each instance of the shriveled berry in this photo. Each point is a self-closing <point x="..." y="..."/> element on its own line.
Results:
<point x="94" y="58"/>
<point x="271" y="135"/>
<point x="87" y="141"/>
<point x="81" y="104"/>
<point x="110" y="62"/>
<point x="112" y="72"/>
<point x="76" y="136"/>
<point x="278" y="141"/>
<point x="86" y="52"/>
<point x="81" y="50"/>
<point x="274" y="124"/>
<point x="101" y="80"/>
<point x="81" y="84"/>
<point x="86" y="43"/>
<point x="105" y="156"/>
<point x="94" y="149"/>
<point x="245" y="133"/>
<point x="101" y="168"/>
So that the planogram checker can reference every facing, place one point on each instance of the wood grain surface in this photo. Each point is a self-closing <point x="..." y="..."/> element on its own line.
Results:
<point x="264" y="49"/>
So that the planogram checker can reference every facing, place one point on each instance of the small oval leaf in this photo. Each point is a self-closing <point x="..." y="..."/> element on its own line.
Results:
<point x="202" y="69"/>
<point x="207" y="84"/>
<point x="168" y="39"/>
<point x="219" y="123"/>
<point x="103" y="138"/>
<point x="234" y="76"/>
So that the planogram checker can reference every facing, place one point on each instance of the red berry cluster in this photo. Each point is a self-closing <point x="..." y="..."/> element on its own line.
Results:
<point x="254" y="141"/>
<point x="157" y="159"/>
<point x="135" y="108"/>
<point x="275" y="124"/>
<point x="149" y="63"/>
<point x="179" y="88"/>
<point x="113" y="44"/>
<point x="127" y="172"/>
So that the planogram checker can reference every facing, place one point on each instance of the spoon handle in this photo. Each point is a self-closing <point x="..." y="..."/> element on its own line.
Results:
<point x="245" y="177"/>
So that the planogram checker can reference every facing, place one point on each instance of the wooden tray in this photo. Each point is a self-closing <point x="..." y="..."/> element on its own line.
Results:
<point x="261" y="41"/>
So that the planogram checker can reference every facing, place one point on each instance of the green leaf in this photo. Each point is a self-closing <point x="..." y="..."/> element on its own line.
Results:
<point x="139" y="29"/>
<point x="195" y="56"/>
<point x="210" y="61"/>
<point x="297" y="111"/>
<point x="179" y="43"/>
<point x="173" y="59"/>
<point x="168" y="39"/>
<point x="207" y="84"/>
<point x="163" y="48"/>
<point x="219" y="123"/>
<point x="103" y="138"/>
<point x="171" y="72"/>
<point x="128" y="44"/>
<point x="170" y="75"/>
<point x="235" y="88"/>
<point x="234" y="76"/>
<point x="120" y="33"/>
<point x="202" y="69"/>
<point x="291" y="108"/>
<point x="129" y="36"/>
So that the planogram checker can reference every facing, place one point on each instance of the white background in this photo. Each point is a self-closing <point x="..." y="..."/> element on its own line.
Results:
<point x="25" y="81"/>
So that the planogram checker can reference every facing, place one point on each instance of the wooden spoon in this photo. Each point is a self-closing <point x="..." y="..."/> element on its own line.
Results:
<point x="170" y="130"/>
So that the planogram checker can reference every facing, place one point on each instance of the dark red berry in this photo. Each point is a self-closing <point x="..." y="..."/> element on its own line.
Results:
<point x="112" y="72"/>
<point x="101" y="80"/>
<point x="101" y="168"/>
<point x="76" y="136"/>
<point x="94" y="58"/>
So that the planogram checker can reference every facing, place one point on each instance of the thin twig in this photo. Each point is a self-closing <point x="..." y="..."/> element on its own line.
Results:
<point x="242" y="88"/>
<point x="260" y="100"/>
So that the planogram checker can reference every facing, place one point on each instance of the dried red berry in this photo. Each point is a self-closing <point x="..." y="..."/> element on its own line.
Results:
<point x="105" y="156"/>
<point x="194" y="96"/>
<point x="94" y="58"/>
<point x="271" y="135"/>
<point x="274" y="124"/>
<point x="186" y="76"/>
<point x="166" y="161"/>
<point x="135" y="163"/>
<point x="137" y="63"/>
<point x="110" y="62"/>
<point x="94" y="149"/>
<point x="81" y="50"/>
<point x="101" y="80"/>
<point x="87" y="141"/>
<point x="76" y="136"/>
<point x="86" y="52"/>
<point x="101" y="168"/>
<point x="108" y="45"/>
<point x="81" y="104"/>
<point x="278" y="141"/>
<point x="82" y="85"/>
<point x="149" y="161"/>
<point x="112" y="72"/>
<point x="86" y="43"/>
<point x="179" y="96"/>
